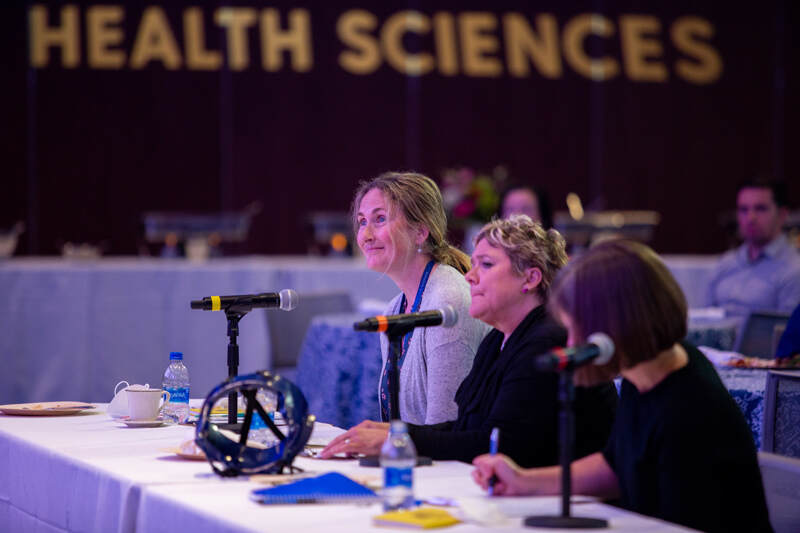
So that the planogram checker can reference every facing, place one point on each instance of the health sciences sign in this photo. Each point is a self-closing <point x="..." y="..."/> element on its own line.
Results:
<point x="471" y="43"/>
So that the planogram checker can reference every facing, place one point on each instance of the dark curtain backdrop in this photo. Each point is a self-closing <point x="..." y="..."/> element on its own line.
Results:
<point x="85" y="150"/>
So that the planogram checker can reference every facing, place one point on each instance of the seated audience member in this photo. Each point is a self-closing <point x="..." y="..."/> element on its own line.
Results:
<point x="529" y="200"/>
<point x="764" y="272"/>
<point x="680" y="449"/>
<point x="400" y="227"/>
<point x="789" y="345"/>
<point x="514" y="263"/>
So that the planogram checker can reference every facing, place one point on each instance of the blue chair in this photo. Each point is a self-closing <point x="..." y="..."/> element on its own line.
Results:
<point x="781" y="477"/>
<point x="781" y="424"/>
<point x="287" y="330"/>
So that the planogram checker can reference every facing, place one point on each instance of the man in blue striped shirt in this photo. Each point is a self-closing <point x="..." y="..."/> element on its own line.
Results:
<point x="764" y="272"/>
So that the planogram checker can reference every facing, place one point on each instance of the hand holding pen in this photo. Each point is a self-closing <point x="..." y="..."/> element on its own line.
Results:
<point x="494" y="442"/>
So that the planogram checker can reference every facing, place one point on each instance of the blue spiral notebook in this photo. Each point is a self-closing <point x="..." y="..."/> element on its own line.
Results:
<point x="327" y="488"/>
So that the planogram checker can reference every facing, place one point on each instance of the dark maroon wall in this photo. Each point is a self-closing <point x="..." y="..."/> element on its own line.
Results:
<point x="85" y="151"/>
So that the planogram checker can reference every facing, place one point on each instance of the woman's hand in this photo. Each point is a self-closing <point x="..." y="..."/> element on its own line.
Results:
<point x="365" y="438"/>
<point x="510" y="479"/>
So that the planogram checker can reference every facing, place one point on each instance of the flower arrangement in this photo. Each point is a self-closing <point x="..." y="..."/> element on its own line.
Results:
<point x="470" y="197"/>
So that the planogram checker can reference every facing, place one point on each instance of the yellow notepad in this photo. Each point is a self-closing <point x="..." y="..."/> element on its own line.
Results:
<point x="421" y="517"/>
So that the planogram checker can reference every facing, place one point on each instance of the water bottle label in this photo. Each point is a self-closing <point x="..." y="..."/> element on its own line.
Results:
<point x="397" y="476"/>
<point x="257" y="422"/>
<point x="178" y="395"/>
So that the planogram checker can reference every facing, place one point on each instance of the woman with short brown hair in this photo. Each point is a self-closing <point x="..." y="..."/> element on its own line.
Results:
<point x="643" y="308"/>
<point x="680" y="449"/>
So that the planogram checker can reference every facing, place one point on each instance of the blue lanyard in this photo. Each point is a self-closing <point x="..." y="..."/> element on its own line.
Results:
<point x="383" y="397"/>
<point x="414" y="308"/>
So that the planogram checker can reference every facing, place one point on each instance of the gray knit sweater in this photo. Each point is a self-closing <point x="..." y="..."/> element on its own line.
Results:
<point x="438" y="358"/>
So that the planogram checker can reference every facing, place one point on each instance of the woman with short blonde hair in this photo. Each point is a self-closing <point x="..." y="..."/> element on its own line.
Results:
<point x="527" y="245"/>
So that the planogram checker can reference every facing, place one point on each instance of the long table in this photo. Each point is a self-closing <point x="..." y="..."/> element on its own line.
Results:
<point x="89" y="473"/>
<point x="70" y="330"/>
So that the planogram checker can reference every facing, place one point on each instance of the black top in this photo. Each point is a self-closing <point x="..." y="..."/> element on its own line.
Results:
<point x="684" y="453"/>
<point x="502" y="390"/>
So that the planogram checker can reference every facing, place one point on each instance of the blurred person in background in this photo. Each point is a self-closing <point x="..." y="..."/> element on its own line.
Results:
<point x="400" y="227"/>
<point x="530" y="200"/>
<point x="514" y="264"/>
<point x="680" y="448"/>
<point x="764" y="272"/>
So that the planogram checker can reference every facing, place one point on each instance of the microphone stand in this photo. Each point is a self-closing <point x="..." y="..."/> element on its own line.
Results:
<point x="395" y="334"/>
<point x="566" y="430"/>
<point x="233" y="316"/>
<point x="392" y="373"/>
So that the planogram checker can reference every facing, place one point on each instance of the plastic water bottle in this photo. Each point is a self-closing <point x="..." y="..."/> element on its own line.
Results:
<point x="259" y="432"/>
<point x="398" y="458"/>
<point x="176" y="382"/>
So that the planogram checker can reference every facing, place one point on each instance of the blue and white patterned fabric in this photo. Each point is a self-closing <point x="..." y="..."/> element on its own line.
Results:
<point x="338" y="370"/>
<point x="787" y="421"/>
<point x="747" y="387"/>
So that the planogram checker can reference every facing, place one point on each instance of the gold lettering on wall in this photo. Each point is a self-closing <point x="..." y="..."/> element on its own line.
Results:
<point x="444" y="35"/>
<point x="198" y="57"/>
<point x="155" y="41"/>
<point x="102" y="33"/>
<point x="64" y="36"/>
<point x="640" y="49"/>
<point x="443" y="43"/>
<point x="575" y="33"/>
<point x="236" y="21"/>
<point x="524" y="46"/>
<point x="706" y="66"/>
<point x="296" y="40"/>
<point x="392" y="40"/>
<point x="477" y="43"/>
<point x="353" y="29"/>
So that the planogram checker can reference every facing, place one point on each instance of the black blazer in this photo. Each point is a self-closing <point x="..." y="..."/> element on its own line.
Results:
<point x="502" y="390"/>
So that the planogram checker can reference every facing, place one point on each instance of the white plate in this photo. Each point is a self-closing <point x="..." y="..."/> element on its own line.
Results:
<point x="142" y="423"/>
<point x="45" y="408"/>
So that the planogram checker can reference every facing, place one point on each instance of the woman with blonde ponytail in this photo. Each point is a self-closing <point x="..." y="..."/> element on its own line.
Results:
<point x="401" y="227"/>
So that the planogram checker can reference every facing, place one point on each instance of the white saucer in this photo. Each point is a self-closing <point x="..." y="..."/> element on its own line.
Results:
<point x="154" y="423"/>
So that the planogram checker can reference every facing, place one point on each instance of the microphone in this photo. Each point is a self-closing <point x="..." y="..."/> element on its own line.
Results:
<point x="394" y="324"/>
<point x="287" y="300"/>
<point x="597" y="350"/>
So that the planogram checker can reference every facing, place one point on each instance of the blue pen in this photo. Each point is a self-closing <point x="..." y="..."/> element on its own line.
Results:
<point x="494" y="442"/>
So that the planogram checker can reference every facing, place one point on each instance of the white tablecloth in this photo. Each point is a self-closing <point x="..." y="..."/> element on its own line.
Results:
<point x="89" y="473"/>
<point x="693" y="274"/>
<point x="70" y="330"/>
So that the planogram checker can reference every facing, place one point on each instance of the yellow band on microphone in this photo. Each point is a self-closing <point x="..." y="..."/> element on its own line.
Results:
<point x="383" y="323"/>
<point x="216" y="304"/>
